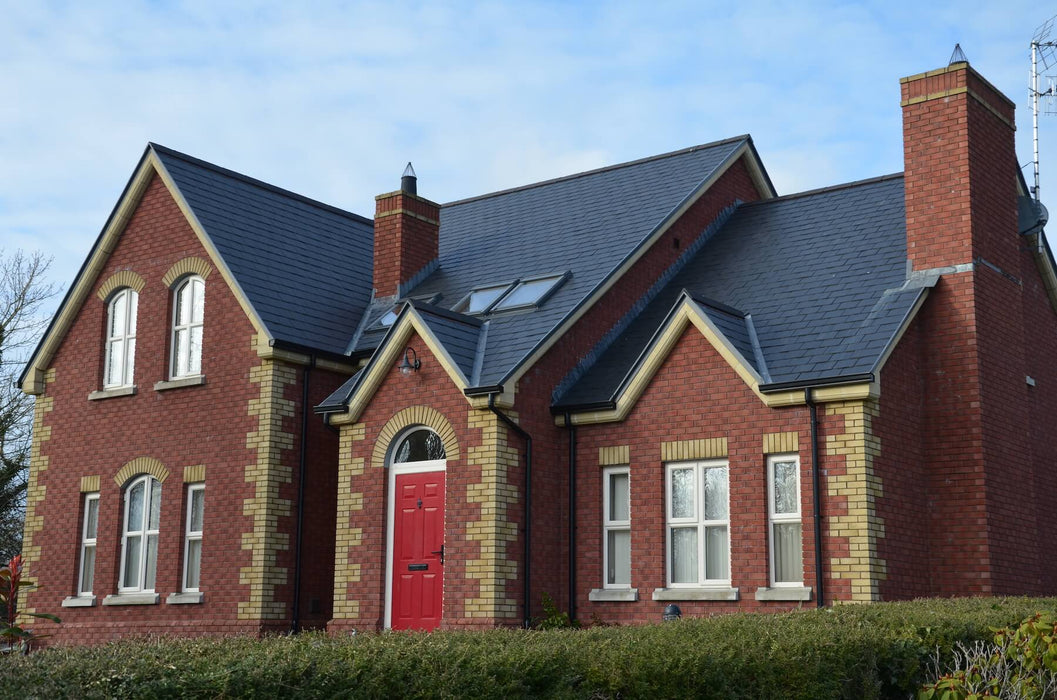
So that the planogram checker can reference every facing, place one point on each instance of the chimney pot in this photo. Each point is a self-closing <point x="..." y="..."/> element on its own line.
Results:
<point x="409" y="181"/>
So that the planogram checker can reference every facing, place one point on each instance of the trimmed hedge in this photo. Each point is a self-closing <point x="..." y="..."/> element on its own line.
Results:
<point x="856" y="651"/>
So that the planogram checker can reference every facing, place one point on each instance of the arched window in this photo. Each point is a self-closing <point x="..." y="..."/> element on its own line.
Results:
<point x="139" y="539"/>
<point x="120" y="338"/>
<point x="188" y="315"/>
<point x="420" y="445"/>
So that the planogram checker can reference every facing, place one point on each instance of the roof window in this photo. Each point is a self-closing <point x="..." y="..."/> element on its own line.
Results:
<point x="389" y="317"/>
<point x="519" y="294"/>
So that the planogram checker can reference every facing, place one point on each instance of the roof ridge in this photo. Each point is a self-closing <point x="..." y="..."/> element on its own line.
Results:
<point x="595" y="171"/>
<point x="828" y="188"/>
<point x="257" y="183"/>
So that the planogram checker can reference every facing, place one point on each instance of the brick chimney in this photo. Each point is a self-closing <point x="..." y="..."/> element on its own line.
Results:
<point x="406" y="236"/>
<point x="960" y="169"/>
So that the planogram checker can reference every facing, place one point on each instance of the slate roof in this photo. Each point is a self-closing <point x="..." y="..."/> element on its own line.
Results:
<point x="822" y="275"/>
<point x="584" y="225"/>
<point x="304" y="266"/>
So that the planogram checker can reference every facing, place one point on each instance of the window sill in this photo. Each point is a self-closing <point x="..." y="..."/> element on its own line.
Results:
<point x="614" y="595"/>
<point x="79" y="601"/>
<point x="132" y="599"/>
<point x="184" y="598"/>
<point x="695" y="594"/>
<point x="784" y="593"/>
<point x="196" y="380"/>
<point x="112" y="393"/>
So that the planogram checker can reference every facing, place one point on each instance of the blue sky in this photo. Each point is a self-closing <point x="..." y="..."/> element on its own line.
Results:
<point x="331" y="99"/>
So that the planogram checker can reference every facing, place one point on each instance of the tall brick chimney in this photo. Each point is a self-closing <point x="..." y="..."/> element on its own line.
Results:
<point x="960" y="169"/>
<point x="406" y="236"/>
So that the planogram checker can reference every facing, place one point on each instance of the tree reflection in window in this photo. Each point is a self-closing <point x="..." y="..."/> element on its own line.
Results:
<point x="420" y="446"/>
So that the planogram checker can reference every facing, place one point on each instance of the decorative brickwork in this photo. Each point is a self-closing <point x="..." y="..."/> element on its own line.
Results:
<point x="195" y="474"/>
<point x="860" y="488"/>
<point x="141" y="465"/>
<point x="778" y="443"/>
<point x="90" y="484"/>
<point x="187" y="266"/>
<point x="268" y="474"/>
<point x="415" y="415"/>
<point x="346" y="572"/>
<point x="610" y="456"/>
<point x="121" y="278"/>
<point x="32" y="551"/>
<point x="709" y="448"/>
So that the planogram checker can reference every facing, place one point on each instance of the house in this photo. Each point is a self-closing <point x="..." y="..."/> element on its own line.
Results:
<point x="651" y="384"/>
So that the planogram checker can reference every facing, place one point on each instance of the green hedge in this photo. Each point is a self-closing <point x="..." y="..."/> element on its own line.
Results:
<point x="868" y="651"/>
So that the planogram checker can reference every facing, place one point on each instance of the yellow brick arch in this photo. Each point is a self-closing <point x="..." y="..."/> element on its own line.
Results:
<point x="141" y="465"/>
<point x="121" y="278"/>
<point x="187" y="266"/>
<point x="415" y="415"/>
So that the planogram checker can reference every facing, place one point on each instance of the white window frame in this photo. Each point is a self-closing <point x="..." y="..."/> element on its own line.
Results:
<point x="774" y="518"/>
<point x="175" y="371"/>
<point x="464" y="304"/>
<point x="193" y="536"/>
<point x="87" y="543"/>
<point x="697" y="520"/>
<point x="502" y="303"/>
<point x="613" y="525"/>
<point x="145" y="534"/>
<point x="126" y="336"/>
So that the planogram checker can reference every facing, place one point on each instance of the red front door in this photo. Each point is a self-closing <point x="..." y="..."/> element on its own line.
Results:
<point x="418" y="559"/>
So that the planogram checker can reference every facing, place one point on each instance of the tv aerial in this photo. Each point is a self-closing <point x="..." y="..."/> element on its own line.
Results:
<point x="1043" y="60"/>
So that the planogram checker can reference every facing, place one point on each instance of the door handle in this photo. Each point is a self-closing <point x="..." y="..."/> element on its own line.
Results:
<point x="441" y="553"/>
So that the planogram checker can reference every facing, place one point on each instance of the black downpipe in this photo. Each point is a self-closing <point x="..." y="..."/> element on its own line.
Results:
<point x="820" y="594"/>
<point x="295" y="620"/>
<point x="528" y="507"/>
<point x="572" y="516"/>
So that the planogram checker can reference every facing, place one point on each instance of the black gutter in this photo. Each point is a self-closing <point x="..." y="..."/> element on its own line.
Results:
<point x="820" y="597"/>
<point x="818" y="383"/>
<point x="572" y="516"/>
<point x="528" y="505"/>
<point x="295" y="620"/>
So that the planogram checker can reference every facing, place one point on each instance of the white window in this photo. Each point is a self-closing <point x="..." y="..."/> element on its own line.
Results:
<point x="120" y="338"/>
<point x="783" y="497"/>
<point x="698" y="524"/>
<point x="139" y="540"/>
<point x="616" y="502"/>
<point x="480" y="300"/>
<point x="193" y="537"/>
<point x="86" y="576"/>
<point x="188" y="315"/>
<point x="529" y="293"/>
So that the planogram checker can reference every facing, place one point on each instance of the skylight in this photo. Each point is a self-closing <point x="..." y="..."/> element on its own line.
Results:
<point x="480" y="300"/>
<point x="528" y="293"/>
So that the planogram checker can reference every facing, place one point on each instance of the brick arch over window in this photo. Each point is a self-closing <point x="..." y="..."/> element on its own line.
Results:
<point x="141" y="465"/>
<point x="121" y="278"/>
<point x="187" y="266"/>
<point x="415" y="415"/>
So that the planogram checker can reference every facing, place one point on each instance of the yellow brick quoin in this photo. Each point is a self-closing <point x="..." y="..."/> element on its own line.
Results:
<point x="347" y="537"/>
<point x="32" y="552"/>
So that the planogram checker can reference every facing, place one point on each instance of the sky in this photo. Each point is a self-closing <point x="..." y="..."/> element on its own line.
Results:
<point x="332" y="99"/>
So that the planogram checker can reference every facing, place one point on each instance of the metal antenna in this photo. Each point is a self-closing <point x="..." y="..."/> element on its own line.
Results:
<point x="1042" y="53"/>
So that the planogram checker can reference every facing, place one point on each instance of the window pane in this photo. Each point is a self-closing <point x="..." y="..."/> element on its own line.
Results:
<point x="194" y="351"/>
<point x="197" y="505"/>
<point x="87" y="568"/>
<point x="527" y="293"/>
<point x="194" y="561"/>
<point x="716" y="555"/>
<point x="619" y="557"/>
<point x="130" y="363"/>
<point x="684" y="555"/>
<point x="117" y="315"/>
<point x="115" y="353"/>
<point x="683" y="493"/>
<point x="183" y="305"/>
<point x="716" y="493"/>
<point x="91" y="518"/>
<point x="155" y="503"/>
<point x="135" y="509"/>
<point x="180" y="351"/>
<point x="482" y="298"/>
<point x="420" y="446"/>
<point x="785" y="490"/>
<point x="132" y="555"/>
<point x="788" y="552"/>
<point x="133" y="302"/>
<point x="387" y="319"/>
<point x="198" y="299"/>
<point x="618" y="498"/>
<point x="152" y="562"/>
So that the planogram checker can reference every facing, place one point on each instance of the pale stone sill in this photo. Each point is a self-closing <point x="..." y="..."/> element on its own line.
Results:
<point x="196" y="380"/>
<point x="784" y="593"/>
<point x="184" y="598"/>
<point x="614" y="595"/>
<point x="79" y="601"/>
<point x="132" y="599"/>
<point x="695" y="594"/>
<point x="112" y="393"/>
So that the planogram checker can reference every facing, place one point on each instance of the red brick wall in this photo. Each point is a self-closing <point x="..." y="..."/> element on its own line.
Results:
<point x="403" y="243"/>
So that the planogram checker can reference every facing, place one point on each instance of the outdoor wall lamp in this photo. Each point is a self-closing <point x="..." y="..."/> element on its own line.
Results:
<point x="411" y="362"/>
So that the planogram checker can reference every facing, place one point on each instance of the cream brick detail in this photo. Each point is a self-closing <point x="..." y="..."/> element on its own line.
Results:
<point x="708" y="448"/>
<point x="32" y="552"/>
<point x="121" y="278"/>
<point x="618" y="454"/>
<point x="187" y="266"/>
<point x="861" y="488"/>
<point x="777" y="443"/>
<point x="268" y="474"/>
<point x="141" y="465"/>
<point x="347" y="536"/>
<point x="494" y="531"/>
<point x="89" y="484"/>
<point x="195" y="474"/>
<point x="415" y="415"/>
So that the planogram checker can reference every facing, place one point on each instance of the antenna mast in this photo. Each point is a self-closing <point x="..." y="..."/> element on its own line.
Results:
<point x="1042" y="51"/>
